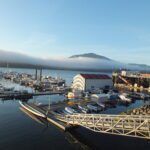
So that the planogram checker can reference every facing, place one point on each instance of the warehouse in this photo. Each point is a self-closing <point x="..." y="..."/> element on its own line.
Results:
<point x="90" y="82"/>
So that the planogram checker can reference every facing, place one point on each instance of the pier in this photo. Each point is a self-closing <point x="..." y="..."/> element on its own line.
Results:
<point x="137" y="126"/>
<point x="13" y="95"/>
<point x="51" y="116"/>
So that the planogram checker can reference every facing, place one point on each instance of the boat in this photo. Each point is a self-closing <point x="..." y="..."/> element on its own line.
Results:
<point x="100" y="97"/>
<point x="1" y="75"/>
<point x="1" y="89"/>
<point x="93" y="107"/>
<point x="64" y="112"/>
<point x="83" y="109"/>
<point x="31" y="109"/>
<point x="124" y="98"/>
<point x="70" y="110"/>
<point x="32" y="116"/>
<point x="9" y="89"/>
<point x="101" y="104"/>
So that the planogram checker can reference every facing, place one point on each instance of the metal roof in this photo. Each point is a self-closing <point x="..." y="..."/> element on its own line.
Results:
<point x="95" y="76"/>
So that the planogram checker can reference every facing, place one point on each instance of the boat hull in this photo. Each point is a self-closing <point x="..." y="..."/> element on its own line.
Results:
<point x="32" y="110"/>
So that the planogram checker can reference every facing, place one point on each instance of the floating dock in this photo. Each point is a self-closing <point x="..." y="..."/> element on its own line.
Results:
<point x="50" y="116"/>
<point x="14" y="95"/>
<point x="126" y="125"/>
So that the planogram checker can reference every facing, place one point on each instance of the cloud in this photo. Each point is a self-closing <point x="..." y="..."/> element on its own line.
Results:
<point x="67" y="63"/>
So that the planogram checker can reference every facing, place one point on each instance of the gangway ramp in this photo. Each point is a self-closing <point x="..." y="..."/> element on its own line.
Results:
<point x="125" y="125"/>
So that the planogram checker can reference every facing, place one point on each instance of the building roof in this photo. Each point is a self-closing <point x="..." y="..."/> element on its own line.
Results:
<point x="95" y="76"/>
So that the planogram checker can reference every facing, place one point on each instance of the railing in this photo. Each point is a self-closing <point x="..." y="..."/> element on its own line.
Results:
<point x="126" y="125"/>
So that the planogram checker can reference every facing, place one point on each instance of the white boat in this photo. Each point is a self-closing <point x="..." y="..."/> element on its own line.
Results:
<point x="83" y="109"/>
<point x="70" y="110"/>
<point x="65" y="112"/>
<point x="101" y="104"/>
<point x="1" y="88"/>
<point x="31" y="115"/>
<point x="31" y="109"/>
<point x="100" y="97"/>
<point x="93" y="107"/>
<point x="124" y="98"/>
<point x="8" y="88"/>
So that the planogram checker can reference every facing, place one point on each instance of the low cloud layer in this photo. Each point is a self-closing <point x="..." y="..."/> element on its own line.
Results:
<point x="65" y="63"/>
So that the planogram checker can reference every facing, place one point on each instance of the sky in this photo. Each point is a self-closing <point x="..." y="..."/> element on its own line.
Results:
<point x="118" y="29"/>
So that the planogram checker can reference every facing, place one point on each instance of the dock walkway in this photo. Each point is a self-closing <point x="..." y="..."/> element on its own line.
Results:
<point x="51" y="117"/>
<point x="137" y="126"/>
<point x="14" y="95"/>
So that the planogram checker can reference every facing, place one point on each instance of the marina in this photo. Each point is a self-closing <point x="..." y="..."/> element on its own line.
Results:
<point x="124" y="124"/>
<point x="74" y="75"/>
<point x="73" y="113"/>
<point x="38" y="82"/>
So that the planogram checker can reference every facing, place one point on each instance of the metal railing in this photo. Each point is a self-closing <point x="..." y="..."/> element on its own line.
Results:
<point x="126" y="125"/>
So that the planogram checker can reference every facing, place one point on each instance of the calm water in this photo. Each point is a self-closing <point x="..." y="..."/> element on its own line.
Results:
<point x="19" y="131"/>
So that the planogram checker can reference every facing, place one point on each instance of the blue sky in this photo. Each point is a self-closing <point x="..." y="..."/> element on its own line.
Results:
<point x="119" y="29"/>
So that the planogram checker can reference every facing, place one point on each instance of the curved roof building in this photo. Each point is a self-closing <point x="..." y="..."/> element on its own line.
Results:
<point x="88" y="82"/>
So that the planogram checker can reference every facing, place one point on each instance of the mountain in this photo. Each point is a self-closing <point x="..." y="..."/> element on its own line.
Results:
<point x="140" y="65"/>
<point x="83" y="62"/>
<point x="90" y="55"/>
<point x="100" y="57"/>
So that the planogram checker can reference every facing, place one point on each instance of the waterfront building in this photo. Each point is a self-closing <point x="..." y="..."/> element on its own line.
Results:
<point x="91" y="82"/>
<point x="132" y="79"/>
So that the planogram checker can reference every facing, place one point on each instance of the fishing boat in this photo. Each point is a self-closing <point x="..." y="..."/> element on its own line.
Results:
<point x="31" y="109"/>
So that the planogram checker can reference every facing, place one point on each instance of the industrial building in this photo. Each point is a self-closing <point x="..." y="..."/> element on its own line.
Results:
<point x="132" y="79"/>
<point x="90" y="82"/>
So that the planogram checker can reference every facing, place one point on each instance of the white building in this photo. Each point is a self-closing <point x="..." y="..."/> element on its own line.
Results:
<point x="90" y="82"/>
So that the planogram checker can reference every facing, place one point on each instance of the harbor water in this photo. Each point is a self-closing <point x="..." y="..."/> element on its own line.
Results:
<point x="23" y="131"/>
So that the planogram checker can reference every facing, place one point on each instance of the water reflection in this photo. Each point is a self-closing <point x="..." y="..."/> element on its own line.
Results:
<point x="69" y="136"/>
